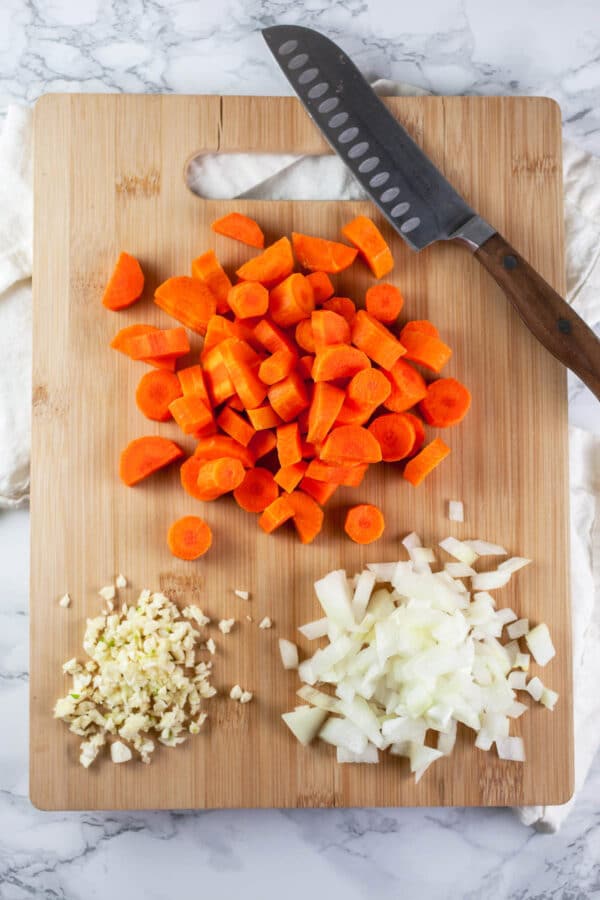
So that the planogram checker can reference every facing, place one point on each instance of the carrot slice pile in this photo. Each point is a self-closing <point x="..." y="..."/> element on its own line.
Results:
<point x="297" y="390"/>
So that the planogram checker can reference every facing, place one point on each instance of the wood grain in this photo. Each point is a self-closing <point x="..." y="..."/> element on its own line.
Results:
<point x="109" y="175"/>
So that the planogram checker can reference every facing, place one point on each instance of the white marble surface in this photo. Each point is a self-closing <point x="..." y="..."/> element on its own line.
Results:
<point x="540" y="47"/>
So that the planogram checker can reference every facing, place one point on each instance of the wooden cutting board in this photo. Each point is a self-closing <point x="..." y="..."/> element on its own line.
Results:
<point x="109" y="175"/>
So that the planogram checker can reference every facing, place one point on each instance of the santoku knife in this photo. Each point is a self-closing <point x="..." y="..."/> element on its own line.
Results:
<point x="413" y="194"/>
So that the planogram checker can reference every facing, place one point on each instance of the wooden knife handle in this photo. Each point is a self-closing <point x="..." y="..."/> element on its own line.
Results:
<point x="549" y="318"/>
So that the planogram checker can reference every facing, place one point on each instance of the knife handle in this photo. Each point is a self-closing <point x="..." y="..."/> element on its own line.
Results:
<point x="549" y="318"/>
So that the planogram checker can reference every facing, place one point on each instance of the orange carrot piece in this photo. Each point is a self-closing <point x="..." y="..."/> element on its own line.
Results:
<point x="155" y="392"/>
<point x="219" y="476"/>
<point x="235" y="403"/>
<point x="322" y="287"/>
<point x="355" y="474"/>
<point x="273" y="338"/>
<point x="240" y="228"/>
<point x="163" y="342"/>
<point x="248" y="385"/>
<point x="218" y="329"/>
<point x="309" y="450"/>
<point x="188" y="474"/>
<point x="308" y="516"/>
<point x="423" y="326"/>
<point x="217" y="446"/>
<point x="395" y="434"/>
<point x="351" y="443"/>
<point x="189" y="538"/>
<point x="328" y="472"/>
<point x="419" y="432"/>
<point x="125" y="285"/>
<point x="318" y="490"/>
<point x="384" y="302"/>
<point x="191" y="413"/>
<point x="344" y="306"/>
<point x="304" y="335"/>
<point x="447" y="403"/>
<point x="277" y="367"/>
<point x="417" y="468"/>
<point x="248" y="299"/>
<point x="192" y="381"/>
<point x="426" y="350"/>
<point x="272" y="265"/>
<point x="219" y="384"/>
<point x="263" y="417"/>
<point x="120" y="342"/>
<point x="376" y="340"/>
<point x="355" y="413"/>
<point x="257" y="491"/>
<point x="369" y="386"/>
<point x="276" y="513"/>
<point x="325" y="406"/>
<point x="329" y="328"/>
<point x="305" y="366"/>
<point x="339" y="361"/>
<point x="289" y="477"/>
<point x="208" y="269"/>
<point x="291" y="301"/>
<point x="320" y="255"/>
<point x="146" y="455"/>
<point x="262" y="443"/>
<point x="188" y="300"/>
<point x="408" y="387"/>
<point x="364" y="234"/>
<point x="364" y="523"/>
<point x="289" y="445"/>
<point x="289" y="397"/>
<point x="235" y="426"/>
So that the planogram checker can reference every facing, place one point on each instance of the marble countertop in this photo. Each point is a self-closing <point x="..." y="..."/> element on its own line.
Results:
<point x="193" y="46"/>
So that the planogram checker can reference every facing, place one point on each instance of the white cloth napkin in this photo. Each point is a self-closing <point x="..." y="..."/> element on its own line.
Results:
<point x="270" y="176"/>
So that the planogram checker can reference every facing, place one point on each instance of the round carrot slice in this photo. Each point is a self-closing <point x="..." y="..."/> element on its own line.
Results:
<point x="447" y="403"/>
<point x="257" y="490"/>
<point x="155" y="392"/>
<point x="395" y="435"/>
<point x="364" y="523"/>
<point x="189" y="537"/>
<point x="384" y="302"/>
<point x="422" y="326"/>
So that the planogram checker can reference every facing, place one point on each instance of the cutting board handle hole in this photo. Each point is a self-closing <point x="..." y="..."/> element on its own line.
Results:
<point x="270" y="176"/>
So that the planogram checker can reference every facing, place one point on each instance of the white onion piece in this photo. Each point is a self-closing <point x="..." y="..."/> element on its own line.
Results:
<point x="548" y="698"/>
<point x="516" y="709"/>
<point x="489" y="581"/>
<point x="484" y="548"/>
<point x="289" y="654"/>
<point x="517" y="681"/>
<point x="362" y="594"/>
<point x="318" y="698"/>
<point x="506" y="616"/>
<point x="456" y="511"/>
<point x="421" y="554"/>
<point x="370" y="755"/>
<point x="540" y="644"/>
<point x="316" y="629"/>
<point x="384" y="572"/>
<point x="535" y="688"/>
<point x="513" y="564"/>
<point x="422" y="756"/>
<point x="342" y="733"/>
<point x="459" y="550"/>
<point x="484" y="740"/>
<point x="333" y="593"/>
<point x="305" y="722"/>
<point x="459" y="570"/>
<point x="404" y="729"/>
<point x="522" y="661"/>
<point x="447" y="739"/>
<point x="518" y="629"/>
<point x="511" y="748"/>
<point x="411" y="541"/>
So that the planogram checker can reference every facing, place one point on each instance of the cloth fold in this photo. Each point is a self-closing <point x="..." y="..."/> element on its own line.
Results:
<point x="291" y="177"/>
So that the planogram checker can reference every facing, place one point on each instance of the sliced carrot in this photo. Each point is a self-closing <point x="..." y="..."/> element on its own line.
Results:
<point x="325" y="406"/>
<point x="310" y="450"/>
<point x="376" y="340"/>
<point x="218" y="329"/>
<point x="163" y="342"/>
<point x="235" y="426"/>
<point x="320" y="255"/>
<point x="248" y="385"/>
<point x="219" y="384"/>
<point x="125" y="285"/>
<point x="351" y="443"/>
<point x="191" y="413"/>
<point x="262" y="443"/>
<point x="338" y="361"/>
<point x="189" y="538"/>
<point x="344" y="306"/>
<point x="219" y="476"/>
<point x="235" y="403"/>
<point x="257" y="491"/>
<point x="248" y="299"/>
<point x="329" y="328"/>
<point x="308" y="516"/>
<point x="364" y="523"/>
<point x="447" y="403"/>
<point x="218" y="446"/>
<point x="289" y="445"/>
<point x="384" y="302"/>
<point x="120" y="342"/>
<point x="417" y="468"/>
<point x="189" y="476"/>
<point x="154" y="393"/>
<point x="408" y="387"/>
<point x="304" y="335"/>
<point x="273" y="338"/>
<point x="240" y="228"/>
<point x="364" y="234"/>
<point x="369" y="386"/>
<point x="395" y="434"/>
<point x="355" y="413"/>
<point x="275" y="263"/>
<point x="318" y="490"/>
<point x="146" y="455"/>
<point x="276" y="513"/>
<point x="188" y="300"/>
<point x="263" y="417"/>
<point x="419" y="432"/>
<point x="291" y="301"/>
<point x="208" y="269"/>
<point x="423" y="326"/>
<point x="289" y="477"/>
<point x="355" y="475"/>
<point x="305" y="366"/>
<point x="277" y="366"/>
<point x="334" y="474"/>
<point x="426" y="350"/>
<point x="289" y="397"/>
<point x="322" y="287"/>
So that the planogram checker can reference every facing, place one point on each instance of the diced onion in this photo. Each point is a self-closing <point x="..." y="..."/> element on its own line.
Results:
<point x="316" y="629"/>
<point x="489" y="581"/>
<point x="506" y="616"/>
<point x="484" y="548"/>
<point x="289" y="654"/>
<point x="535" y="688"/>
<point x="342" y="733"/>
<point x="517" y="681"/>
<point x="305" y="722"/>
<point x="370" y="755"/>
<point x="383" y="571"/>
<point x="518" y="629"/>
<point x="456" y="511"/>
<point x="362" y="594"/>
<point x="548" y="698"/>
<point x="459" y="550"/>
<point x="422" y="555"/>
<point x="511" y="748"/>
<point x="411" y="541"/>
<point x="540" y="644"/>
<point x="459" y="570"/>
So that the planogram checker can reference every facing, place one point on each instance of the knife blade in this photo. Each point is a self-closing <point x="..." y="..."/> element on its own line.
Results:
<point x="413" y="195"/>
